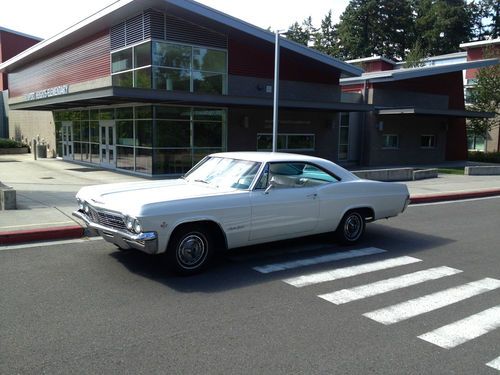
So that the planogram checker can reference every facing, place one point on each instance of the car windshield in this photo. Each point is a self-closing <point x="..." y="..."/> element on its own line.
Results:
<point x="224" y="172"/>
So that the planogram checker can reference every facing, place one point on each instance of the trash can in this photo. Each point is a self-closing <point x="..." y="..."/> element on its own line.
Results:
<point x="41" y="151"/>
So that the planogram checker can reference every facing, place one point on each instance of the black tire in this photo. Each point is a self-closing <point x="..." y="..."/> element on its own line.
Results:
<point x="351" y="228"/>
<point x="190" y="250"/>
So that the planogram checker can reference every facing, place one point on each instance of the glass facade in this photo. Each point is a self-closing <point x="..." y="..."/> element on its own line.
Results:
<point x="148" y="139"/>
<point x="171" y="67"/>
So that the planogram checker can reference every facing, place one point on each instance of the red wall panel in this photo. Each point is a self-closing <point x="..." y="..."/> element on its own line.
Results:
<point x="87" y="60"/>
<point x="249" y="56"/>
<point x="10" y="46"/>
<point x="13" y="44"/>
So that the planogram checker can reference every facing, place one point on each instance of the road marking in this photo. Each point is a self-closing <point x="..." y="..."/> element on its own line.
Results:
<point x="383" y="286"/>
<point x="39" y="224"/>
<point x="452" y="201"/>
<point x="494" y="364"/>
<point x="49" y="243"/>
<point x="431" y="302"/>
<point x="318" y="260"/>
<point x="464" y="330"/>
<point x="341" y="273"/>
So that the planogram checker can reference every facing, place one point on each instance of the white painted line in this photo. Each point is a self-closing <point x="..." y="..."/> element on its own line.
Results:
<point x="341" y="273"/>
<point x="431" y="302"/>
<point x="452" y="201"/>
<point x="384" y="286"/>
<point x="464" y="330"/>
<point x="494" y="364"/>
<point x="40" y="224"/>
<point x="49" y="243"/>
<point x="318" y="260"/>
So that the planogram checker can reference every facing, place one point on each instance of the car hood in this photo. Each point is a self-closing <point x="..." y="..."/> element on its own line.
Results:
<point x="131" y="198"/>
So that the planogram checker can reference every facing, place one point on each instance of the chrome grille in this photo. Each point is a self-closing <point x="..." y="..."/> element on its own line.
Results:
<point x="106" y="219"/>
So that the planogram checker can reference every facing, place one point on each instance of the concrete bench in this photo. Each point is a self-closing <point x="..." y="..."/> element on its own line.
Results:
<point x="7" y="198"/>
<point x="482" y="170"/>
<point x="421" y="174"/>
<point x="390" y="174"/>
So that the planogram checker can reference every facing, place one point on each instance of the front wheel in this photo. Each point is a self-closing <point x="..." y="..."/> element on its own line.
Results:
<point x="190" y="250"/>
<point x="351" y="228"/>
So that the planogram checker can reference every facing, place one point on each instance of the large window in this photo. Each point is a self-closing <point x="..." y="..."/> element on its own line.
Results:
<point x="171" y="67"/>
<point x="131" y="67"/>
<point x="428" y="141"/>
<point x="150" y="139"/>
<point x="344" y="136"/>
<point x="286" y="142"/>
<point x="390" y="141"/>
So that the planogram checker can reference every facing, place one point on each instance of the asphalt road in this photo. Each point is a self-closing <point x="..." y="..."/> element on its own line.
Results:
<point x="87" y="308"/>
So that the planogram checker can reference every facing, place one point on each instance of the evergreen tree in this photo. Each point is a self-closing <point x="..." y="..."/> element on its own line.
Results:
<point x="415" y="57"/>
<point x="442" y="25"/>
<point x="325" y="39"/>
<point x="376" y="27"/>
<point x="302" y="33"/>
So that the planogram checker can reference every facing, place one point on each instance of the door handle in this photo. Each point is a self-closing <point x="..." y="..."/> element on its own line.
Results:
<point x="313" y="196"/>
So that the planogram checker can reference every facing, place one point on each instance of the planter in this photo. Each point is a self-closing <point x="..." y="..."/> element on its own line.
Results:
<point x="14" y="151"/>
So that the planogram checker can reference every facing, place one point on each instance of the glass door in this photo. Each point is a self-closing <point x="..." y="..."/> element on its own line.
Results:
<point x="67" y="140"/>
<point x="107" y="139"/>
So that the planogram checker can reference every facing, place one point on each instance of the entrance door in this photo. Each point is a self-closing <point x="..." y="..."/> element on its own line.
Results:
<point x="107" y="143"/>
<point x="67" y="140"/>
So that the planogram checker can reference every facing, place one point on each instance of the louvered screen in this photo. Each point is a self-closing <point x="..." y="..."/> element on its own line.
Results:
<point x="179" y="30"/>
<point x="117" y="35"/>
<point x="154" y="25"/>
<point x="134" y="29"/>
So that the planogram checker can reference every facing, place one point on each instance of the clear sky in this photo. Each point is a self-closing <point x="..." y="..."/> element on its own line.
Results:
<point x="45" y="18"/>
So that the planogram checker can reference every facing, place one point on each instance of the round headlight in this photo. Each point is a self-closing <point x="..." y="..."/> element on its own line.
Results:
<point x="86" y="208"/>
<point x="80" y="204"/>
<point x="129" y="222"/>
<point x="137" y="227"/>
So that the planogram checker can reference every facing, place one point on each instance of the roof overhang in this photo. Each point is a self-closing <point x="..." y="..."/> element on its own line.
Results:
<point x="433" y="112"/>
<point x="119" y="95"/>
<point x="425" y="71"/>
<point x="122" y="9"/>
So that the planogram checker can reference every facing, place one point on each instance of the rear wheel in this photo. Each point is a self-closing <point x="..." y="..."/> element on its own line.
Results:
<point x="351" y="228"/>
<point x="190" y="250"/>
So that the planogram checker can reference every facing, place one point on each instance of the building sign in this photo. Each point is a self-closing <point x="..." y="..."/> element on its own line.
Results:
<point x="47" y="93"/>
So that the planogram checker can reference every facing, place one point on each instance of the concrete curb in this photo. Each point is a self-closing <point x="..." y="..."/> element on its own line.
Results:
<point x="43" y="234"/>
<point x="442" y="197"/>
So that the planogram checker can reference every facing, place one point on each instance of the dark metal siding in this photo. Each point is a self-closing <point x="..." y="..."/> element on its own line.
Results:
<point x="85" y="61"/>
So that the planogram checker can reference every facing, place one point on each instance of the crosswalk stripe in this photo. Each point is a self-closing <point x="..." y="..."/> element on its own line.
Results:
<point x="340" y="273"/>
<point x="466" y="329"/>
<point x="318" y="260"/>
<point x="431" y="302"/>
<point x="494" y="364"/>
<point x="383" y="286"/>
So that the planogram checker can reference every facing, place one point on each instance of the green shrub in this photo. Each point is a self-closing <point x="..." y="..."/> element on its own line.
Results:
<point x="485" y="157"/>
<point x="9" y="143"/>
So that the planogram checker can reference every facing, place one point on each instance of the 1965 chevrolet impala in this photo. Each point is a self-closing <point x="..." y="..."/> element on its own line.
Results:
<point x="235" y="199"/>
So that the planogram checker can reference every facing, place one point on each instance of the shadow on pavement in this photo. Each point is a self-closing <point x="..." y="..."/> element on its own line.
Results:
<point x="233" y="270"/>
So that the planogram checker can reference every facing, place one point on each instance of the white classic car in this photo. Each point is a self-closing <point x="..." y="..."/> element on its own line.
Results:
<point x="236" y="199"/>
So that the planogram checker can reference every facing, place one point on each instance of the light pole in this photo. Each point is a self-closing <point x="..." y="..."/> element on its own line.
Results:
<point x="276" y="88"/>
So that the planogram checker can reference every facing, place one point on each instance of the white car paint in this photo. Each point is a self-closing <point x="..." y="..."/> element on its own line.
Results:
<point x="246" y="216"/>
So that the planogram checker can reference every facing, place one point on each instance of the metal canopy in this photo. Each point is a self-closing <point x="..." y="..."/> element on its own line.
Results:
<point x="119" y="95"/>
<point x="434" y="112"/>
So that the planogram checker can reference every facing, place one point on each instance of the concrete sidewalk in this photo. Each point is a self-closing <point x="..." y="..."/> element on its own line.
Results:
<point x="46" y="191"/>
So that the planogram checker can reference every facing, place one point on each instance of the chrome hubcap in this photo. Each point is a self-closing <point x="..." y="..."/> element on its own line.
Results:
<point x="352" y="227"/>
<point x="191" y="250"/>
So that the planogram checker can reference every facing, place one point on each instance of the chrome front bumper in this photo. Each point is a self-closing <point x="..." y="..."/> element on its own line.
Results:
<point x="146" y="242"/>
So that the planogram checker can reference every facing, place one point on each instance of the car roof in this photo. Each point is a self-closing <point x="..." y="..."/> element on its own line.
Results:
<point x="268" y="157"/>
